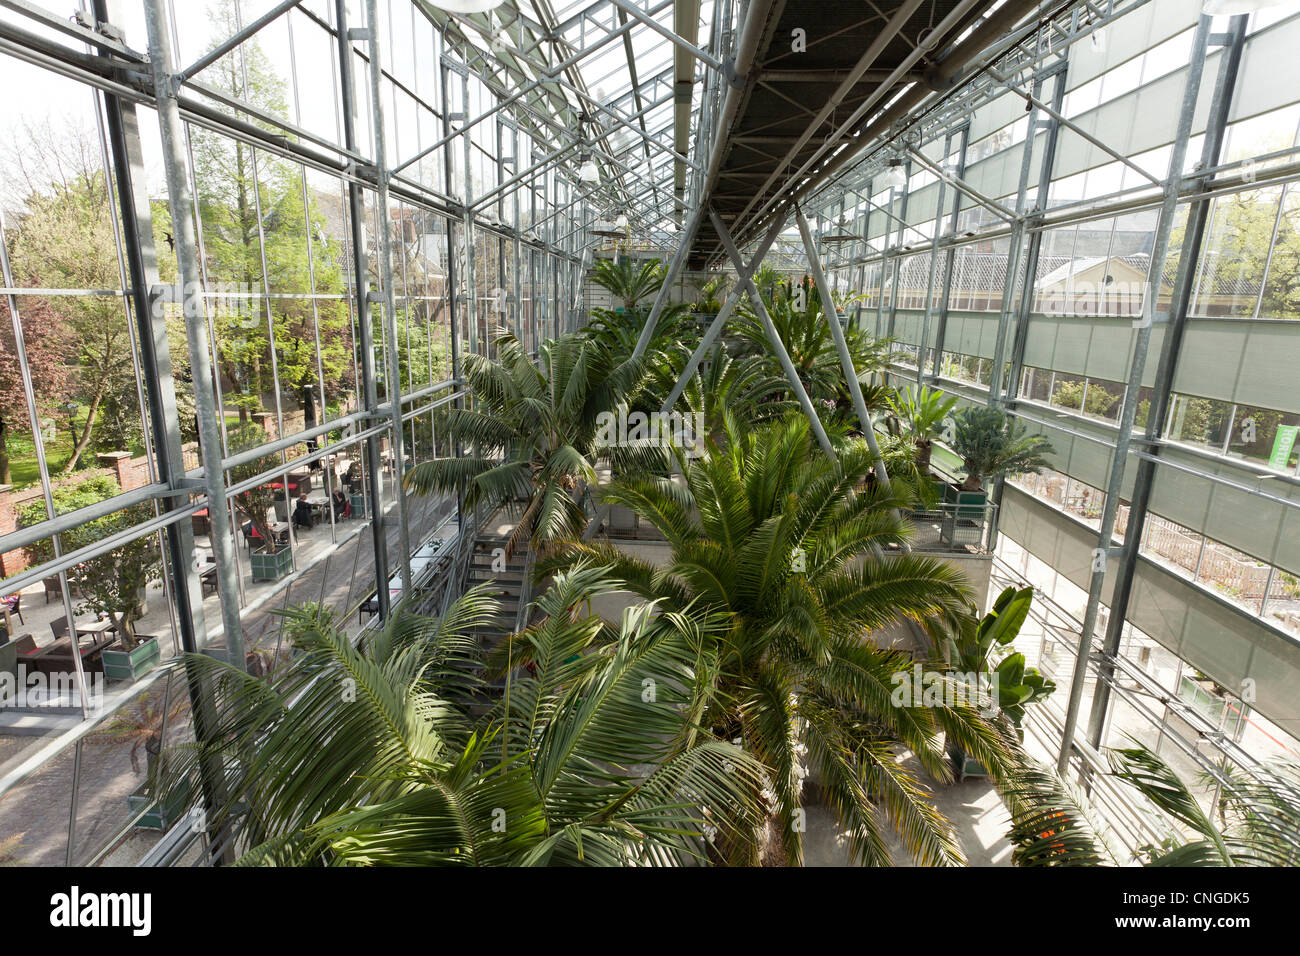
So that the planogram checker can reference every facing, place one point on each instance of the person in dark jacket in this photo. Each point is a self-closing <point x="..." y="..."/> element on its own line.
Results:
<point x="302" y="516"/>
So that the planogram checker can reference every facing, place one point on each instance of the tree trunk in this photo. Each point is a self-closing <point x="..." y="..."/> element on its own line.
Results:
<point x="924" y="447"/>
<point x="5" y="477"/>
<point x="84" y="440"/>
<point x="972" y="483"/>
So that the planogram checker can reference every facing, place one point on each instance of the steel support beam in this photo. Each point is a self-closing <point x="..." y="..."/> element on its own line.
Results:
<point x="670" y="277"/>
<point x="841" y="346"/>
<point x="223" y="544"/>
<point x="361" y="291"/>
<point x="1128" y="412"/>
<point x="221" y="49"/>
<point x="778" y="348"/>
<point x="393" y="377"/>
<point x="1198" y="214"/>
<point x="720" y="320"/>
<point x="182" y="206"/>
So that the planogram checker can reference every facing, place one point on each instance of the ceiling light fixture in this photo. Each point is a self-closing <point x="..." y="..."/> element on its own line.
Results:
<point x="466" y="6"/>
<point x="895" y="176"/>
<point x="589" y="172"/>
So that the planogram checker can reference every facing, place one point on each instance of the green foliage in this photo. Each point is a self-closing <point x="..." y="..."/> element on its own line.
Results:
<point x="263" y="229"/>
<point x="626" y="281"/>
<point x="111" y="584"/>
<point x="711" y="293"/>
<point x="920" y="415"/>
<point x="65" y="240"/>
<point x="973" y="644"/>
<point x="786" y="549"/>
<point x="533" y="433"/>
<point x="370" y="756"/>
<point x="254" y="503"/>
<point x="619" y="331"/>
<point x="990" y="443"/>
<point x="67" y="498"/>
<point x="1259" y="817"/>
<point x="1099" y="402"/>
<point x="732" y="394"/>
<point x="806" y="335"/>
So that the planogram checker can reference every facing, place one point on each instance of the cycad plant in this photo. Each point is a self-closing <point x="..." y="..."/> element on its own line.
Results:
<point x="1258" y="819"/>
<point x="806" y="335"/>
<point x="369" y="756"/>
<point x="532" y="433"/>
<point x="990" y="442"/>
<point x="744" y="388"/>
<point x="711" y="293"/>
<point x="920" y="414"/>
<point x="627" y="282"/>
<point x="797" y="560"/>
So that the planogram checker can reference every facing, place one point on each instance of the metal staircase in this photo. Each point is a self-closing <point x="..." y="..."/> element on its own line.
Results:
<point x="508" y="579"/>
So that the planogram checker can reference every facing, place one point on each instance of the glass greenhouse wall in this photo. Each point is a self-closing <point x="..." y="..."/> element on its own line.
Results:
<point x="334" y="309"/>
<point x="1020" y="263"/>
<point x="372" y="191"/>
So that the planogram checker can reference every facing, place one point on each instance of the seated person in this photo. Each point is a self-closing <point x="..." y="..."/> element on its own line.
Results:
<point x="302" y="516"/>
<point x="342" y="504"/>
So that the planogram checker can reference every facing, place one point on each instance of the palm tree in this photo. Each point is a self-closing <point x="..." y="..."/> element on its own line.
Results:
<point x="142" y="723"/>
<point x="790" y="553"/>
<point x="992" y="443"/>
<point x="627" y="282"/>
<point x="620" y="331"/>
<point x="1054" y="825"/>
<point x="921" y="414"/>
<point x="369" y="756"/>
<point x="744" y="388"/>
<point x="533" y="433"/>
<point x="806" y="335"/>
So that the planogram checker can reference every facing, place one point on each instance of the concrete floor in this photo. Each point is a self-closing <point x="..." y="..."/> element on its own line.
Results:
<point x="973" y="807"/>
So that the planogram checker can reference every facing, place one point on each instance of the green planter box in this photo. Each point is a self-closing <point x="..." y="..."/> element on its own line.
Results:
<point x="271" y="565"/>
<point x="132" y="664"/>
<point x="358" y="506"/>
<point x="160" y="814"/>
<point x="965" y="764"/>
<point x="970" y="504"/>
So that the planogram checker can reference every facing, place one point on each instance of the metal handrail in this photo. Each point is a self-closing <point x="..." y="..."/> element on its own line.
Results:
<point x="464" y="548"/>
<point x="525" y="591"/>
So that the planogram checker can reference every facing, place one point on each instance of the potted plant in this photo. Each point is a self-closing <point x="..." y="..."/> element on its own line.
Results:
<point x="990" y="443"/>
<point x="268" y="560"/>
<point x="142" y="724"/>
<point x="113" y="585"/>
<point x="918" y="415"/>
<point x="971" y="651"/>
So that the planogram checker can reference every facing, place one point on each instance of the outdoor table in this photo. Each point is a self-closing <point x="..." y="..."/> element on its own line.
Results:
<point x="96" y="628"/>
<point x="58" y="656"/>
<point x="320" y="507"/>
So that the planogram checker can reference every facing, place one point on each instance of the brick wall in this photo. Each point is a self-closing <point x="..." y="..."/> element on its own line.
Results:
<point x="130" y="473"/>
